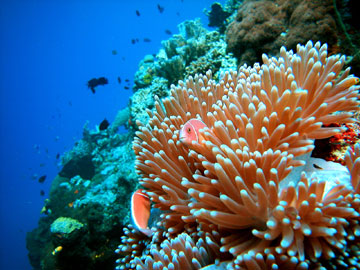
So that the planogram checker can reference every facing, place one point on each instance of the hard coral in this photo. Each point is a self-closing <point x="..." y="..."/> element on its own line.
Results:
<point x="264" y="26"/>
<point x="235" y="182"/>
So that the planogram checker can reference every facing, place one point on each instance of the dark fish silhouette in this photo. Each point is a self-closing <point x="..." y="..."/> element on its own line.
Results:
<point x="104" y="124"/>
<point x="57" y="155"/>
<point x="167" y="31"/>
<point x="127" y="80"/>
<point x="42" y="178"/>
<point x="119" y="79"/>
<point x="217" y="16"/>
<point x="126" y="87"/>
<point x="147" y="40"/>
<point x="160" y="8"/>
<point x="94" y="82"/>
<point x="42" y="193"/>
<point x="137" y="13"/>
<point x="114" y="52"/>
<point x="133" y="41"/>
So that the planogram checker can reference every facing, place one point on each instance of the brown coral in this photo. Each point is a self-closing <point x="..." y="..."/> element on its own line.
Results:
<point x="264" y="26"/>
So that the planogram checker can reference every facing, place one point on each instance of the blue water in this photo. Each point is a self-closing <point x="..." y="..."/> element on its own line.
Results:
<point x="48" y="52"/>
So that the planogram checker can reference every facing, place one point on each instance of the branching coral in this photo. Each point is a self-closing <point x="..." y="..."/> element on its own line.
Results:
<point x="260" y="122"/>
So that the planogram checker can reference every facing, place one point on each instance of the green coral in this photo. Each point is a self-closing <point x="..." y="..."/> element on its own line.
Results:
<point x="148" y="78"/>
<point x="65" y="225"/>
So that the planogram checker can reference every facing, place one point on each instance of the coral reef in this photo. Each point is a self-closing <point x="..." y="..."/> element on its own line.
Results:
<point x="237" y="197"/>
<point x="193" y="50"/>
<point x="236" y="182"/>
<point x="84" y="214"/>
<point x="98" y="176"/>
<point x="121" y="119"/>
<point x="264" y="26"/>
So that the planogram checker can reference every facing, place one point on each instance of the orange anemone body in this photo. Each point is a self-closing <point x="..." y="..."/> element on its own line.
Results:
<point x="140" y="211"/>
<point x="191" y="131"/>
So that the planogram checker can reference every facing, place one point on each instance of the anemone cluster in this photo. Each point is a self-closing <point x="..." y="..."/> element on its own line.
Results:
<point x="232" y="198"/>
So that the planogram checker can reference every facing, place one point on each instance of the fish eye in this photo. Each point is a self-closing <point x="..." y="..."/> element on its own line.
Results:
<point x="189" y="130"/>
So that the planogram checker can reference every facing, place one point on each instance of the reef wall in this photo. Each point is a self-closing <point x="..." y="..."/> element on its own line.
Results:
<point x="87" y="210"/>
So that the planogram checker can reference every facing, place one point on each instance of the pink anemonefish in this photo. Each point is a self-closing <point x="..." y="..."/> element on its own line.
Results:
<point x="190" y="131"/>
<point x="140" y="211"/>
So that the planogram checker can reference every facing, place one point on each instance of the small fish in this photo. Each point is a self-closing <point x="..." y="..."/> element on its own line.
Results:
<point x="127" y="80"/>
<point x="43" y="210"/>
<point x="76" y="191"/>
<point x="114" y="52"/>
<point x="147" y="40"/>
<point x="133" y="41"/>
<point x="119" y="79"/>
<point x="190" y="131"/>
<point x="42" y="178"/>
<point x="137" y="13"/>
<point x="57" y="155"/>
<point x="71" y="204"/>
<point x="94" y="82"/>
<point x="167" y="31"/>
<point x="104" y="124"/>
<point x="126" y="87"/>
<point x="140" y="211"/>
<point x="160" y="8"/>
<point x="42" y="193"/>
<point x="56" y="250"/>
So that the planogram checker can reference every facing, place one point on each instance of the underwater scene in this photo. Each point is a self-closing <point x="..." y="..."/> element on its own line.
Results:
<point x="180" y="135"/>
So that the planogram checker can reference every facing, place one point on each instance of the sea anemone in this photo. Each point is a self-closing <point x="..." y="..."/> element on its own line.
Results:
<point x="259" y="125"/>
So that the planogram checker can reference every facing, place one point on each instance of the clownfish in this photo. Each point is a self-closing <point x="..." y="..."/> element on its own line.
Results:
<point x="190" y="131"/>
<point x="140" y="211"/>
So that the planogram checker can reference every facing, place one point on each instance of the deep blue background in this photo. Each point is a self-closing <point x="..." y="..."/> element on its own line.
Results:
<point x="48" y="51"/>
